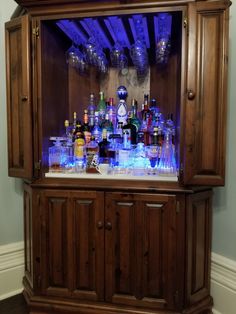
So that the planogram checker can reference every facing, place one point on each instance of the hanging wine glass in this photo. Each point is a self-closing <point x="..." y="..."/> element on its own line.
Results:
<point x="163" y="43"/>
<point x="118" y="58"/>
<point x="75" y="58"/>
<point x="139" y="56"/>
<point x="72" y="56"/>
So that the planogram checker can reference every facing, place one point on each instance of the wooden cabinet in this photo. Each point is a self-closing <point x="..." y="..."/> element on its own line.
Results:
<point x="118" y="251"/>
<point x="118" y="246"/>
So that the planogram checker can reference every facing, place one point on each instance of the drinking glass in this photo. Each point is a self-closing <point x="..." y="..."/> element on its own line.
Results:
<point x="163" y="50"/>
<point x="139" y="56"/>
<point x="76" y="59"/>
<point x="118" y="58"/>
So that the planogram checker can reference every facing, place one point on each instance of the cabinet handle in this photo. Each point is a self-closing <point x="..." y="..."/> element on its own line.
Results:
<point x="191" y="94"/>
<point x="24" y="98"/>
<point x="108" y="225"/>
<point x="99" y="224"/>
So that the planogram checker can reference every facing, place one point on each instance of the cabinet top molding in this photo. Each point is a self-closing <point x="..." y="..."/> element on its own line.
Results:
<point x="38" y="3"/>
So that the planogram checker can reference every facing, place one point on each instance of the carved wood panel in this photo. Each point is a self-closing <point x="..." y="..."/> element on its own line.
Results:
<point x="140" y="243"/>
<point x="72" y="245"/>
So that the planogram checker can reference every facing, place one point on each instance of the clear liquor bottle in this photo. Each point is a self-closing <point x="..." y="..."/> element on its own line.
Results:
<point x="91" y="110"/>
<point x="122" y="111"/>
<point x="97" y="131"/>
<point x="111" y="111"/>
<point x="153" y="108"/>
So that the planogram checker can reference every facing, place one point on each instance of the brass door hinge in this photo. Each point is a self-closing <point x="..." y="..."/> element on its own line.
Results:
<point x="37" y="165"/>
<point x="35" y="31"/>
<point x="186" y="24"/>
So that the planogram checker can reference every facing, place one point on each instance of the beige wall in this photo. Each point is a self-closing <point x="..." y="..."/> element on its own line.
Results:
<point x="224" y="214"/>
<point x="11" y="202"/>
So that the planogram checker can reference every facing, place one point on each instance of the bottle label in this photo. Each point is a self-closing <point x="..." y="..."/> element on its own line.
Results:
<point x="79" y="148"/>
<point x="124" y="155"/>
<point x="127" y="138"/>
<point x="122" y="112"/>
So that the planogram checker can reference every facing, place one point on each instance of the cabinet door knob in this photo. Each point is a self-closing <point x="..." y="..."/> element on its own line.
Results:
<point x="191" y="94"/>
<point x="24" y="98"/>
<point x="108" y="225"/>
<point x="99" y="224"/>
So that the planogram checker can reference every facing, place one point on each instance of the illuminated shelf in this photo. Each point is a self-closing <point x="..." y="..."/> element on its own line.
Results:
<point x="111" y="177"/>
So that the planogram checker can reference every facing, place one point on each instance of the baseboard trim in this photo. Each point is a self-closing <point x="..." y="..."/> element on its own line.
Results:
<point x="11" y="269"/>
<point x="223" y="284"/>
<point x="223" y="277"/>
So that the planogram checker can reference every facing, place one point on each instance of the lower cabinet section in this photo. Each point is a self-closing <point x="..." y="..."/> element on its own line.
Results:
<point x="117" y="252"/>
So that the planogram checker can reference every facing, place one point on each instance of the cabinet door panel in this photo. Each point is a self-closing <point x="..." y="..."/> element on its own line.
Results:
<point x="73" y="262"/>
<point x="19" y="98"/>
<point x="140" y="241"/>
<point x="198" y="246"/>
<point x="88" y="235"/>
<point x="28" y="233"/>
<point x="204" y="153"/>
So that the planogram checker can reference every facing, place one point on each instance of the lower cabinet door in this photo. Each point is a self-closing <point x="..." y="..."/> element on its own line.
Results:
<point x="72" y="244"/>
<point x="140" y="250"/>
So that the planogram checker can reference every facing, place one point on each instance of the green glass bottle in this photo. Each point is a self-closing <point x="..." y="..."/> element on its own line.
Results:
<point x="101" y="107"/>
<point x="134" y="118"/>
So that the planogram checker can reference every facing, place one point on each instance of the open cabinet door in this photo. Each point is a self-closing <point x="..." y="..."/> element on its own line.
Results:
<point x="19" y="110"/>
<point x="206" y="98"/>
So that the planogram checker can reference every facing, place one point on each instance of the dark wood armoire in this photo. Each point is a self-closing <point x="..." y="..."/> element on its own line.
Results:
<point x="114" y="245"/>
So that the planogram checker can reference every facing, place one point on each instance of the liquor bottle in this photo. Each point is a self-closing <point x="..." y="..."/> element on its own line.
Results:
<point x="103" y="148"/>
<point x="153" y="151"/>
<point x="107" y="124"/>
<point x="57" y="155"/>
<point x="146" y="113"/>
<point x="101" y="107"/>
<point x="170" y="126"/>
<point x="132" y="132"/>
<point x="153" y="108"/>
<point x="119" y="129"/>
<point x="91" y="110"/>
<point x="134" y="118"/>
<point x="96" y="131"/>
<point x="160" y="140"/>
<point x="111" y="111"/>
<point x="167" y="163"/>
<point x="92" y="156"/>
<point x="68" y="137"/>
<point x="67" y="128"/>
<point x="74" y="121"/>
<point x="77" y="129"/>
<point x="86" y="128"/>
<point x="79" y="144"/>
<point x="122" y="111"/>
